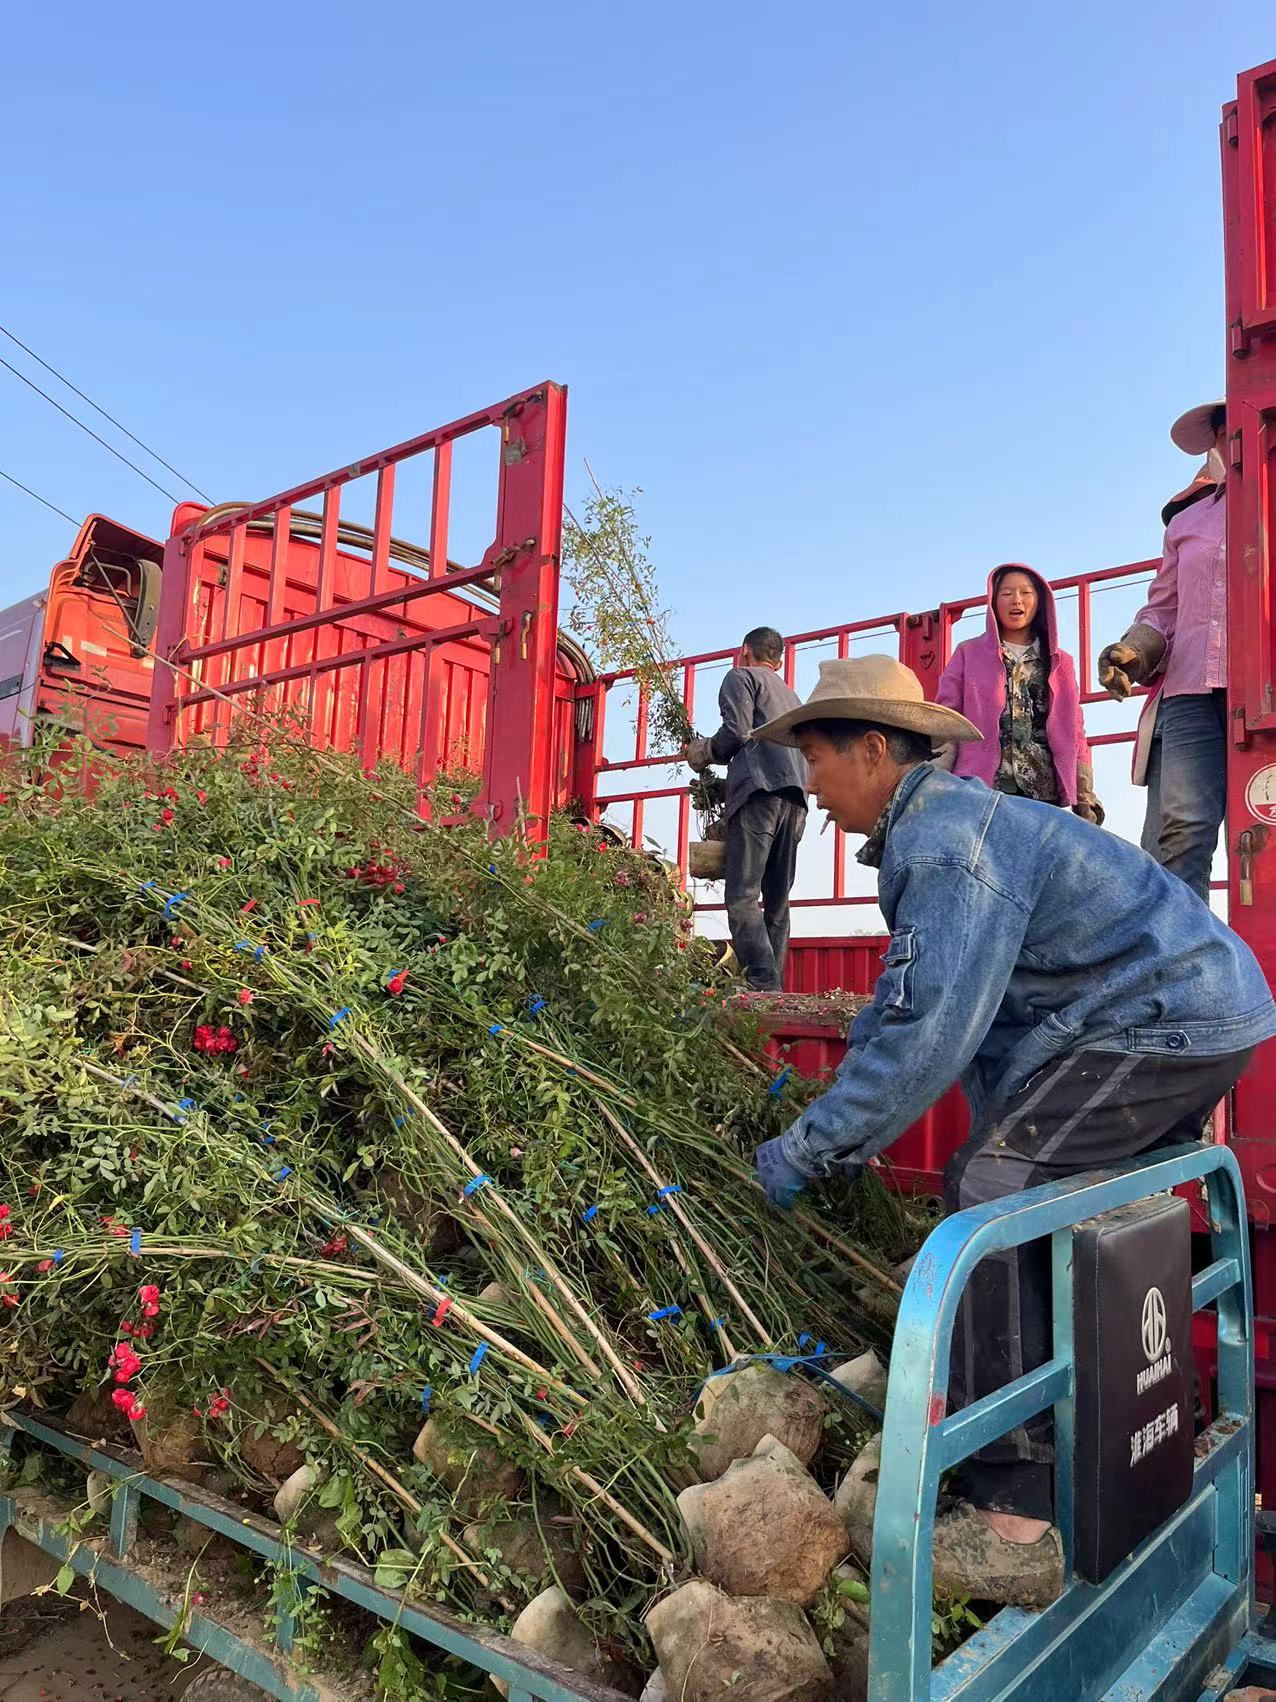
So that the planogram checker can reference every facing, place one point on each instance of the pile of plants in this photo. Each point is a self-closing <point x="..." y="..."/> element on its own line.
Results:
<point x="330" y="1135"/>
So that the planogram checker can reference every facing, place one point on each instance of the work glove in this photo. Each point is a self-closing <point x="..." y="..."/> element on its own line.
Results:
<point x="1087" y="805"/>
<point x="780" y="1180"/>
<point x="698" y="754"/>
<point x="1131" y="660"/>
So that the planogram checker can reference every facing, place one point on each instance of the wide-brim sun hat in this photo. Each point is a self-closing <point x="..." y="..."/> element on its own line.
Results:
<point x="1193" y="432"/>
<point x="871" y="688"/>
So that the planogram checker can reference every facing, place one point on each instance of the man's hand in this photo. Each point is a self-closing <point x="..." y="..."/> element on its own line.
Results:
<point x="697" y="754"/>
<point x="780" y="1181"/>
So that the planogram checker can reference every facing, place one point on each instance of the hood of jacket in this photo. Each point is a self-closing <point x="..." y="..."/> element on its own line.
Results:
<point x="1045" y="606"/>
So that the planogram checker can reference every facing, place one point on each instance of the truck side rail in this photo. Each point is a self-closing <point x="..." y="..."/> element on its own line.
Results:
<point x="1185" y="1595"/>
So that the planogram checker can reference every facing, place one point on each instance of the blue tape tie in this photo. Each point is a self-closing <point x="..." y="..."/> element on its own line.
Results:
<point x="135" y="1241"/>
<point x="589" y="1214"/>
<point x="718" y="1324"/>
<point x="426" y="1395"/>
<point x="259" y="954"/>
<point x="479" y="1353"/>
<point x="243" y="945"/>
<point x="338" y="1016"/>
<point x="147" y="885"/>
<point x="443" y="1280"/>
<point x="496" y="1028"/>
<point x="268" y="1140"/>
<point x="777" y="1086"/>
<point x="599" y="922"/>
<point x="285" y="1173"/>
<point x="491" y="868"/>
<point x="58" y="1255"/>
<point x="183" y="1106"/>
<point x="536" y="1006"/>
<point x="399" y="1122"/>
<point x="664" y="1312"/>
<point x="473" y="1186"/>
<point x="170" y="904"/>
<point x="804" y="1338"/>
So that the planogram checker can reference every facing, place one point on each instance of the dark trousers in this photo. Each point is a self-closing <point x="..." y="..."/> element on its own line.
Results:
<point x="1187" y="786"/>
<point x="1087" y="1110"/>
<point x="761" y="861"/>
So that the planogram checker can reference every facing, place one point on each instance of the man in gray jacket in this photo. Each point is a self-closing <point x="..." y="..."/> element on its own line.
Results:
<point x="766" y="807"/>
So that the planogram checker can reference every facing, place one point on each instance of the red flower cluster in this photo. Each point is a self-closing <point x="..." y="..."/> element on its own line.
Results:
<point x="8" y="1298"/>
<point x="223" y="862"/>
<point x="623" y="877"/>
<point x="6" y="1228"/>
<point x="218" y="1407"/>
<point x="210" y="1039"/>
<point x="129" y="1404"/>
<point x="125" y="1362"/>
<point x="44" y="1267"/>
<point x="149" y="1295"/>
<point x="115" y="1227"/>
<point x="140" y="1332"/>
<point x="640" y="917"/>
<point x="384" y="876"/>
<point x="245" y="997"/>
<point x="604" y="846"/>
<point x="338" y="1244"/>
<point x="397" y="982"/>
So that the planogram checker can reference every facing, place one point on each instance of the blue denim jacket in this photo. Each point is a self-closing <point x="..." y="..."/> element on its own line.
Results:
<point x="1020" y="932"/>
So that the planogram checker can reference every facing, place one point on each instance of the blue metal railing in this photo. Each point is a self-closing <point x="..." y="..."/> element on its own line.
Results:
<point x="1187" y="1590"/>
<point x="528" y="1674"/>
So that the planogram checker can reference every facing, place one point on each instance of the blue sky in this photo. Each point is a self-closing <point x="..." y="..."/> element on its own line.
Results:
<point x="866" y="299"/>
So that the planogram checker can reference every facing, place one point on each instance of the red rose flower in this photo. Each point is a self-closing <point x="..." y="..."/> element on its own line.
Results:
<point x="397" y="982"/>
<point x="245" y="997"/>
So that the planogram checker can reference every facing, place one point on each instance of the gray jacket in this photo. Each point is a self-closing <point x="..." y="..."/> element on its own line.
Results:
<point x="748" y="699"/>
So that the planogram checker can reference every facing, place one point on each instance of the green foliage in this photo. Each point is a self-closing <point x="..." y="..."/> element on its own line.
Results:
<point x="201" y="1040"/>
<point x="616" y="607"/>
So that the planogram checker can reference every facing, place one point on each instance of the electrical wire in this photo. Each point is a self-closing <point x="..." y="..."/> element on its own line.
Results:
<point x="98" y="408"/>
<point x="114" y="451"/>
<point x="38" y="497"/>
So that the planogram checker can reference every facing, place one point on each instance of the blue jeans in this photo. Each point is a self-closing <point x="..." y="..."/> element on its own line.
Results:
<point x="1187" y="786"/>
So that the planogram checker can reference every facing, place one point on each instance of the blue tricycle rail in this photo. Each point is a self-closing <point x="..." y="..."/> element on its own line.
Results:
<point x="1177" y="1618"/>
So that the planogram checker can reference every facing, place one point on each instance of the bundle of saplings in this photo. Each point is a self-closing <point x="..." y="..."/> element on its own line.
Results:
<point x="400" y="1175"/>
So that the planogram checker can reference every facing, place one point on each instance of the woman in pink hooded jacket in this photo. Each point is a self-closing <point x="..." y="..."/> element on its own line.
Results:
<point x="1021" y="691"/>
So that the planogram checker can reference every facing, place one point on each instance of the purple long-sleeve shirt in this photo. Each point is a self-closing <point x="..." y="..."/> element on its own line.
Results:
<point x="1188" y="601"/>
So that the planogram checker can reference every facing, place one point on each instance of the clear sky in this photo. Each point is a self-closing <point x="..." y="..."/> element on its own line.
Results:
<point x="864" y="298"/>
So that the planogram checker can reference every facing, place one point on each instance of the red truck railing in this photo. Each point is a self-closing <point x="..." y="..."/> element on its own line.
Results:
<point x="634" y="780"/>
<point x="425" y="665"/>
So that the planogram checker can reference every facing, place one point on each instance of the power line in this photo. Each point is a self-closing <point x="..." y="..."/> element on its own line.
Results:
<point x="38" y="497"/>
<point x="114" y="451"/>
<point x="98" y="408"/>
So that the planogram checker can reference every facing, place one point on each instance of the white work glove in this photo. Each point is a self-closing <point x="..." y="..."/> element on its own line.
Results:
<point x="698" y="754"/>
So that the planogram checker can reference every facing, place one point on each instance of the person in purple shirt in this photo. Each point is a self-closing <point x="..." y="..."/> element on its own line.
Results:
<point x="1178" y="644"/>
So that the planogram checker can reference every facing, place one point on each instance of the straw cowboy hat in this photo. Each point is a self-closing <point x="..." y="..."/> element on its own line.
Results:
<point x="1193" y="432"/>
<point x="870" y="688"/>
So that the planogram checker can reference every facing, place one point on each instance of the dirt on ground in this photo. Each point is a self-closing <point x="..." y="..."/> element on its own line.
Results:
<point x="53" y="1650"/>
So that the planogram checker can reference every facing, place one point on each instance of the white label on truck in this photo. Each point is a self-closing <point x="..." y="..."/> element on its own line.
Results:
<point x="1260" y="793"/>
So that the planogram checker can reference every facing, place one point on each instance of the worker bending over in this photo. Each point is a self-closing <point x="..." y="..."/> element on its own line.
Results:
<point x="1090" y="1005"/>
<point x="766" y="807"/>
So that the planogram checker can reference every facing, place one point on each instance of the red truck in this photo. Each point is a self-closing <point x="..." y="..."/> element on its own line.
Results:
<point x="395" y="651"/>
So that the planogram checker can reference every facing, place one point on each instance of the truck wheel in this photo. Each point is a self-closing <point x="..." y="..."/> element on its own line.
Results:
<point x="223" y="1686"/>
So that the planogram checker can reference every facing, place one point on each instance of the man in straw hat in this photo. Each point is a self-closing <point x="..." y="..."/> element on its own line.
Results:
<point x="1090" y="1005"/>
<point x="1178" y="644"/>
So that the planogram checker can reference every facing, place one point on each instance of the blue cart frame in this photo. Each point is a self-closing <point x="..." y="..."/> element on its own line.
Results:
<point x="528" y="1674"/>
<point x="1174" y="1620"/>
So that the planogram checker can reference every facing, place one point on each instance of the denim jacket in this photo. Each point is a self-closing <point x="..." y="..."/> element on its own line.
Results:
<point x="1020" y="932"/>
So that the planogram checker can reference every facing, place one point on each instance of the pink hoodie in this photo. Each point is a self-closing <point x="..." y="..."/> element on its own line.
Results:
<point x="974" y="683"/>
